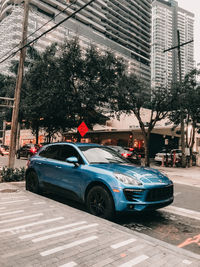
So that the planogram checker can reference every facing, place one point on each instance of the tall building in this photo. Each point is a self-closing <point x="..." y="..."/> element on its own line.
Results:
<point x="123" y="26"/>
<point x="167" y="18"/>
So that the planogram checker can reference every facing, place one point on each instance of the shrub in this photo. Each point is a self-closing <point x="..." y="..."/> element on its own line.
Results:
<point x="12" y="175"/>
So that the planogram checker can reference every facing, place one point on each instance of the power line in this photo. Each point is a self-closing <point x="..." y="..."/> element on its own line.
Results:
<point x="14" y="53"/>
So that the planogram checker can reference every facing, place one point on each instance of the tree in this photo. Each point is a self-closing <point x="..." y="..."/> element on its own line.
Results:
<point x="187" y="101"/>
<point x="133" y="95"/>
<point x="65" y="85"/>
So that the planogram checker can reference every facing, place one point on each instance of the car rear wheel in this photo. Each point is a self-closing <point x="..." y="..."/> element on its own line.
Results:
<point x="100" y="203"/>
<point x="32" y="183"/>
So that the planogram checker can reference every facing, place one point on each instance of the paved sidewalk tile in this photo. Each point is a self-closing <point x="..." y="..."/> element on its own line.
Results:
<point x="43" y="232"/>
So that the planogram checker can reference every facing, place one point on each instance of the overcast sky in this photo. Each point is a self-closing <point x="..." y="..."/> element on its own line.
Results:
<point x="194" y="7"/>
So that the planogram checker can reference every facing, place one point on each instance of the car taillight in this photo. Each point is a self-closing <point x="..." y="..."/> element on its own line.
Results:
<point x="126" y="155"/>
<point x="131" y="149"/>
<point x="33" y="150"/>
<point x="139" y="156"/>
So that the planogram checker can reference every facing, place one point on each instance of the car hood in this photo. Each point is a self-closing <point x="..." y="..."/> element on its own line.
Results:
<point x="143" y="174"/>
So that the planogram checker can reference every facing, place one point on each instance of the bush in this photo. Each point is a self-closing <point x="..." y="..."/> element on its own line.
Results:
<point x="12" y="175"/>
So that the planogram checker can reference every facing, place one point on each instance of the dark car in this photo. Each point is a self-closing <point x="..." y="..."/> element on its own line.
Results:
<point x="131" y="156"/>
<point x="27" y="150"/>
<point x="4" y="150"/>
<point x="99" y="177"/>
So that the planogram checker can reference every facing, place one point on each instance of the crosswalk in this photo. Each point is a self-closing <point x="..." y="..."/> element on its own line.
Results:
<point x="37" y="227"/>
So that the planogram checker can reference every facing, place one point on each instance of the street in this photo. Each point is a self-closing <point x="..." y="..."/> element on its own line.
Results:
<point x="177" y="224"/>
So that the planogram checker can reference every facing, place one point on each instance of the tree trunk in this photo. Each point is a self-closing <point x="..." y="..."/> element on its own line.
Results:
<point x="146" y="146"/>
<point x="37" y="134"/>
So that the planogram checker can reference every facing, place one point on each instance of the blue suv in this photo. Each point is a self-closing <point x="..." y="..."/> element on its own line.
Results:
<point x="99" y="177"/>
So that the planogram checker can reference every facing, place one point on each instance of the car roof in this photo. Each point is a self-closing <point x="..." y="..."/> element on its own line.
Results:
<point x="76" y="144"/>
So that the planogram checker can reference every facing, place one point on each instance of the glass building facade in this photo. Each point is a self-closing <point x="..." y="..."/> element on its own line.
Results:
<point x="167" y="18"/>
<point x="122" y="26"/>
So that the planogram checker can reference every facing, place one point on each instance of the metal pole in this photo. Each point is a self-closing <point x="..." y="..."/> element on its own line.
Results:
<point x="18" y="88"/>
<point x="181" y="110"/>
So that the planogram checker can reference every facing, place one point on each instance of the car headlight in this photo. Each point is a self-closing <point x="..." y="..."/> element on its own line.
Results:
<point x="127" y="179"/>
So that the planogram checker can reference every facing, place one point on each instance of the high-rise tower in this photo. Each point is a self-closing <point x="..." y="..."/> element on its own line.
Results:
<point x="167" y="18"/>
<point x="123" y="26"/>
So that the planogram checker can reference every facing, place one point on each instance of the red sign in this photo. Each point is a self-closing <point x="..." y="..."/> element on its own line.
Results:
<point x="83" y="129"/>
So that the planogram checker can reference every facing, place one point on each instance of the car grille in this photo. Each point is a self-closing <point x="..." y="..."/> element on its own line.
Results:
<point x="157" y="194"/>
<point x="133" y="194"/>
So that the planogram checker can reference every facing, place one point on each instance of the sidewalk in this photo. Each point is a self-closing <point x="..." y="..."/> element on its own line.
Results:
<point x="38" y="231"/>
<point x="188" y="176"/>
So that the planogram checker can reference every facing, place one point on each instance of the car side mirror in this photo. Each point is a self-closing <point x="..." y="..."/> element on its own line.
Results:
<point x="73" y="160"/>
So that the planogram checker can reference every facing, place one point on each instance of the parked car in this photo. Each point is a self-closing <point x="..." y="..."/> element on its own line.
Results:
<point x="4" y="150"/>
<point x="170" y="154"/>
<point x="27" y="150"/>
<point x="167" y="154"/>
<point x="132" y="156"/>
<point x="99" y="177"/>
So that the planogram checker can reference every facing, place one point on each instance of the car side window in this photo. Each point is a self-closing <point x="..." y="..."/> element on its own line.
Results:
<point x="50" y="152"/>
<point x="67" y="151"/>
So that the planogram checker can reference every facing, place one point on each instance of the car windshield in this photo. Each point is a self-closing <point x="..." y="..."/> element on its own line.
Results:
<point x="101" y="155"/>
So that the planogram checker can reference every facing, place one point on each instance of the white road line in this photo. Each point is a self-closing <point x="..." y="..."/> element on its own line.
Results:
<point x="15" y="201"/>
<point x="11" y="212"/>
<point x="51" y="230"/>
<point x="21" y="218"/>
<point x="2" y="208"/>
<point x="134" y="261"/>
<point x="70" y="245"/>
<point x="64" y="232"/>
<point x="69" y="264"/>
<point x="38" y="203"/>
<point x="187" y="262"/>
<point x="183" y="212"/>
<point x="30" y="224"/>
<point x="124" y="243"/>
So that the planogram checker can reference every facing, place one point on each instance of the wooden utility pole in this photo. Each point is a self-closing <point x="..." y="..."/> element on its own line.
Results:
<point x="180" y="82"/>
<point x="18" y="86"/>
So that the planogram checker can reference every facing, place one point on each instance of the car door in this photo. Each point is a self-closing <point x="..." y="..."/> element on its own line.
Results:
<point x="69" y="177"/>
<point x="46" y="167"/>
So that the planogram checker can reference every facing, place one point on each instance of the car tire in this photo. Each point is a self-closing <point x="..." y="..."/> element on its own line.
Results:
<point x="100" y="202"/>
<point x="32" y="183"/>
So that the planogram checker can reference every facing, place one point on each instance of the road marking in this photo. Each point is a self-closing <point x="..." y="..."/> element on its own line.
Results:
<point x="30" y="224"/>
<point x="38" y="203"/>
<point x="51" y="230"/>
<point x="70" y="264"/>
<point x="70" y="245"/>
<point x="190" y="240"/>
<point x="2" y="208"/>
<point x="11" y="212"/>
<point x="15" y="201"/>
<point x="64" y="232"/>
<point x="177" y="193"/>
<point x="183" y="212"/>
<point x="134" y="261"/>
<point x="21" y="218"/>
<point x="187" y="262"/>
<point x="124" y="243"/>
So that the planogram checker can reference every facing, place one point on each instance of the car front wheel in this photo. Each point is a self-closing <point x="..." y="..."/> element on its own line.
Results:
<point x="32" y="183"/>
<point x="100" y="203"/>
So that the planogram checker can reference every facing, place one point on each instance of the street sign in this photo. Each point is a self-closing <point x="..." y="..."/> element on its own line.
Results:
<point x="83" y="129"/>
